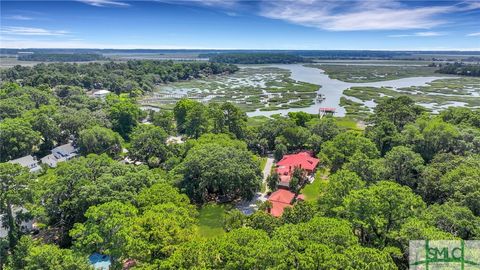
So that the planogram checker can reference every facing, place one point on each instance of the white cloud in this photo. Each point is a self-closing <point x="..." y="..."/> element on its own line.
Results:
<point x="224" y="4"/>
<point x="421" y="34"/>
<point x="31" y="31"/>
<point x="473" y="34"/>
<point x="357" y="15"/>
<point x="19" y="17"/>
<point x="217" y="3"/>
<point x="104" y="3"/>
<point x="429" y="34"/>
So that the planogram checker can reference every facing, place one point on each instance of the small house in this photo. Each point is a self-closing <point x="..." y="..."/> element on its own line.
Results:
<point x="26" y="225"/>
<point x="60" y="153"/>
<point x="280" y="200"/>
<point x="29" y="162"/>
<point x="100" y="94"/>
<point x="66" y="152"/>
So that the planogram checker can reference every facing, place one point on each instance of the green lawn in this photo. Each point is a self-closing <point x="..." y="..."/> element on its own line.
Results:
<point x="257" y="121"/>
<point x="347" y="123"/>
<point x="211" y="220"/>
<point x="263" y="162"/>
<point x="313" y="191"/>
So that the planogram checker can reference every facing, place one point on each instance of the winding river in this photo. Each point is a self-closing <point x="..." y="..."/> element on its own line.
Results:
<point x="333" y="89"/>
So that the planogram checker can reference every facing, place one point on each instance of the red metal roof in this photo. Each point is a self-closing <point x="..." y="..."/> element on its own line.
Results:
<point x="280" y="200"/>
<point x="302" y="160"/>
<point x="327" y="109"/>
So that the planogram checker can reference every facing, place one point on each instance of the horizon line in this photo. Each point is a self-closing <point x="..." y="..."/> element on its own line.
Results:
<point x="223" y="49"/>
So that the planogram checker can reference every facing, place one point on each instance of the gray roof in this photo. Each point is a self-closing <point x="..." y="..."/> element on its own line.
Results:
<point x="50" y="160"/>
<point x="25" y="161"/>
<point x="65" y="149"/>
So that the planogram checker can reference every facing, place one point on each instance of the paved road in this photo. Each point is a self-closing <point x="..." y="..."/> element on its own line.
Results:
<point x="248" y="207"/>
<point x="267" y="169"/>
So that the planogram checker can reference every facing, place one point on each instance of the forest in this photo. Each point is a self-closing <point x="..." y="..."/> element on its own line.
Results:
<point x="255" y="58"/>
<point x="60" y="57"/>
<point x="458" y="68"/>
<point x="136" y="198"/>
<point x="136" y="76"/>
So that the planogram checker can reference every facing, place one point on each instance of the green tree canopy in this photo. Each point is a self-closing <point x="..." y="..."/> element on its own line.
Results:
<point x="461" y="185"/>
<point x="378" y="210"/>
<point x="182" y="107"/>
<point x="17" y="139"/>
<point x="99" y="140"/>
<point x="108" y="230"/>
<point x="124" y="115"/>
<point x="400" y="111"/>
<point x="163" y="119"/>
<point x="455" y="219"/>
<point x="32" y="255"/>
<point x="228" y="118"/>
<point x="213" y="171"/>
<point x="340" y="184"/>
<point x="197" y="121"/>
<point x="68" y="191"/>
<point x="147" y="142"/>
<point x="403" y="166"/>
<point x="429" y="136"/>
<point x="15" y="193"/>
<point x="341" y="148"/>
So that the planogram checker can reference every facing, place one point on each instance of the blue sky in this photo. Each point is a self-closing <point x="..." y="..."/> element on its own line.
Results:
<point x="237" y="24"/>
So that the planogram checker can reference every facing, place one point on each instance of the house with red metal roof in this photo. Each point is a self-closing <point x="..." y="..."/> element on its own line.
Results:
<point x="287" y="165"/>
<point x="280" y="200"/>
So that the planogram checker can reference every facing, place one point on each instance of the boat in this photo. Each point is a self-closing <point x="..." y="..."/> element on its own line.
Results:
<point x="320" y="97"/>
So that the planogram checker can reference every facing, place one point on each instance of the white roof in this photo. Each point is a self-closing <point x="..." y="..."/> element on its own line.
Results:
<point x="101" y="92"/>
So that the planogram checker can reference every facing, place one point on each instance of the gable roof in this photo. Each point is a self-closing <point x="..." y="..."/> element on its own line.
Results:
<point x="28" y="162"/>
<point x="302" y="160"/>
<point x="25" y="161"/>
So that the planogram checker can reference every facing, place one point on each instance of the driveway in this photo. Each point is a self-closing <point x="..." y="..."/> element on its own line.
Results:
<point x="248" y="207"/>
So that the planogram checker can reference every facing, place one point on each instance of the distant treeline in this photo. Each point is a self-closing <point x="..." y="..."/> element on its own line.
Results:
<point x="460" y="69"/>
<point x="61" y="57"/>
<point x="128" y="77"/>
<point x="255" y="58"/>
<point x="318" y="54"/>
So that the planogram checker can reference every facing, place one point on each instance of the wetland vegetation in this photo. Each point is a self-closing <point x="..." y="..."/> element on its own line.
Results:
<point x="265" y="88"/>
<point x="374" y="73"/>
<point x="435" y="96"/>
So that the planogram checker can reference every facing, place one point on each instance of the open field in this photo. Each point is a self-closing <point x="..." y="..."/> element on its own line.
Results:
<point x="264" y="88"/>
<point x="373" y="73"/>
